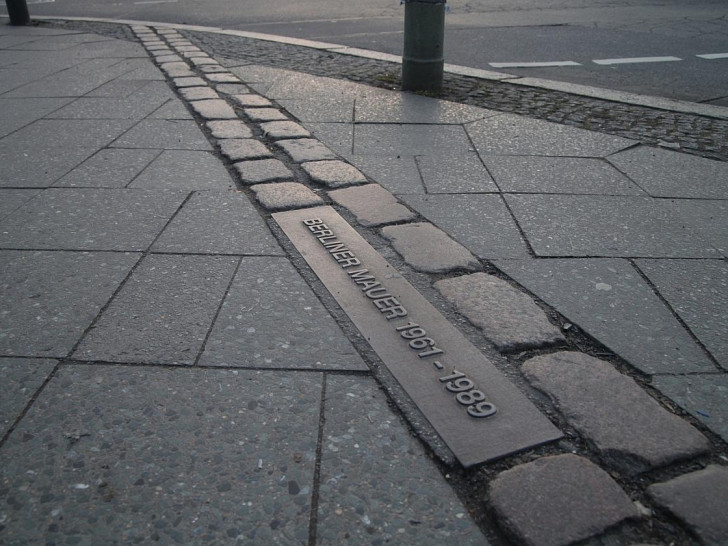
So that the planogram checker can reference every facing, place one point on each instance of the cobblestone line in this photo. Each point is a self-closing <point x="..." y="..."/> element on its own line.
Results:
<point x="704" y="136"/>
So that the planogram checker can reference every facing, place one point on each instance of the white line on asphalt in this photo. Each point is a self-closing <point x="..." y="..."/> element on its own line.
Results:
<point x="713" y="56"/>
<point x="156" y="2"/>
<point x="637" y="60"/>
<point x="533" y="65"/>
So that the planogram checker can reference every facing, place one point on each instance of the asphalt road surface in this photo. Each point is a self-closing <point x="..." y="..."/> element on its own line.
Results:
<point x="669" y="48"/>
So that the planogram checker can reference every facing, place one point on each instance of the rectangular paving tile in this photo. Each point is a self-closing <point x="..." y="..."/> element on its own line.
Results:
<point x="218" y="223"/>
<point x="90" y="219"/>
<point x="392" y="139"/>
<point x="184" y="170"/>
<point x="48" y="165"/>
<point x="424" y="352"/>
<point x="109" y="168"/>
<point x="16" y="113"/>
<point x="698" y="292"/>
<point x="50" y="298"/>
<point x="138" y="455"/>
<point x="163" y="313"/>
<point x="608" y="299"/>
<point x="11" y="200"/>
<point x="707" y="218"/>
<point x="108" y="108"/>
<point x="398" y="174"/>
<point x="70" y="133"/>
<point x="459" y="173"/>
<point x="20" y="378"/>
<point x="168" y="134"/>
<point x="376" y="479"/>
<point x="584" y="225"/>
<point x="272" y="319"/>
<point x="317" y="110"/>
<point x="481" y="223"/>
<point x="396" y="107"/>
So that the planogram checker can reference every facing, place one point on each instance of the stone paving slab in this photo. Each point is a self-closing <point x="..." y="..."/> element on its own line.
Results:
<point x="398" y="174"/>
<point x="284" y="129"/>
<point x="333" y="173"/>
<point x="698" y="499"/>
<point x="16" y="113"/>
<point x="193" y="81"/>
<point x="251" y="99"/>
<point x="523" y="174"/>
<point x="237" y="149"/>
<point x="229" y="129"/>
<point x="456" y="173"/>
<point x="584" y="225"/>
<point x="265" y="114"/>
<point x="89" y="219"/>
<point x="376" y="480"/>
<point x="428" y="249"/>
<point x="69" y="133"/>
<point x="580" y="496"/>
<point x="698" y="292"/>
<point x="109" y="168"/>
<point x="198" y="93"/>
<point x="315" y="110"/>
<point x="167" y="134"/>
<point x="172" y="109"/>
<point x="709" y="219"/>
<point x="391" y="139"/>
<point x="372" y="205"/>
<point x="664" y="173"/>
<point x="50" y="298"/>
<point x="703" y="396"/>
<point x="183" y="170"/>
<point x="481" y="223"/>
<point x="217" y="223"/>
<point x="610" y="301"/>
<point x="305" y="149"/>
<point x="628" y="427"/>
<point x="285" y="196"/>
<point x="10" y="200"/>
<point x="397" y="107"/>
<point x="337" y="136"/>
<point x="20" y="378"/>
<point x="118" y="454"/>
<point x="509" y="134"/>
<point x="510" y="319"/>
<point x="163" y="312"/>
<point x="272" y="319"/>
<point x="258" y="171"/>
<point x="213" y="109"/>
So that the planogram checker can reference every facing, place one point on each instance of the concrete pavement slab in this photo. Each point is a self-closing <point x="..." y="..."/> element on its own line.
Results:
<point x="509" y="134"/>
<point x="708" y="218"/>
<point x="163" y="313"/>
<point x="587" y="225"/>
<point x="167" y="134"/>
<point x="69" y="133"/>
<point x="376" y="480"/>
<point x="457" y="173"/>
<point x="17" y="113"/>
<point x="10" y="200"/>
<point x="339" y="110"/>
<point x="90" y="219"/>
<point x="50" y="298"/>
<point x="272" y="319"/>
<point x="21" y="378"/>
<point x="217" y="223"/>
<point x="702" y="395"/>
<point x="391" y="139"/>
<point x="523" y="174"/>
<point x="398" y="174"/>
<point x="285" y="196"/>
<point x="142" y="455"/>
<point x="172" y="109"/>
<point x="337" y="136"/>
<point x="183" y="170"/>
<point x="481" y="223"/>
<point x="610" y="301"/>
<point x="48" y="165"/>
<point x="119" y="88"/>
<point x="698" y="292"/>
<point x="665" y="173"/>
<point x="109" y="168"/>
<point x="396" y="107"/>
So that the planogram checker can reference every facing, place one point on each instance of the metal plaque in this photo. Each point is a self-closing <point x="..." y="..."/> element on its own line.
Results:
<point x="478" y="413"/>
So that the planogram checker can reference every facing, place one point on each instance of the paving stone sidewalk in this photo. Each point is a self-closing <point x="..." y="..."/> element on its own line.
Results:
<point x="172" y="376"/>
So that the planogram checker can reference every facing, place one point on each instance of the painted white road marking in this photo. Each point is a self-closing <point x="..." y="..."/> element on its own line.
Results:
<point x="534" y="64"/>
<point x="157" y="2"/>
<point x="631" y="60"/>
<point x="711" y="56"/>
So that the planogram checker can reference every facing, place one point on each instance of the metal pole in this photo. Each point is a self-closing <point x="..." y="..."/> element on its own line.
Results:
<point x="18" y="12"/>
<point x="424" y="38"/>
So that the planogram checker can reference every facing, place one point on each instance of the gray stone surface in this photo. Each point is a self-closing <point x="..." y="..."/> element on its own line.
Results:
<point x="585" y="225"/>
<point x="70" y="133"/>
<point x="337" y="136"/>
<point x="10" y="200"/>
<point x="218" y="223"/>
<point x="387" y="140"/>
<point x="265" y="114"/>
<point x="272" y="319"/>
<point x="376" y="480"/>
<point x="628" y="427"/>
<point x="313" y="109"/>
<point x="372" y="205"/>
<point x="229" y="129"/>
<point x="394" y="107"/>
<point x="559" y="175"/>
<point x="251" y="99"/>
<point x="480" y="222"/>
<point x="400" y="175"/>
<point x="333" y="173"/>
<point x="305" y="149"/>
<point x="189" y="82"/>
<point x="237" y="149"/>
<point x="428" y="249"/>
<point x="509" y="134"/>
<point x="510" y="319"/>
<point x="284" y="129"/>
<point x="50" y="298"/>
<point x="201" y="61"/>
<point x="263" y="170"/>
<point x="173" y="109"/>
<point x="703" y="396"/>
<point x="21" y="378"/>
<point x="709" y="219"/>
<point x="177" y="70"/>
<point x="16" y="113"/>
<point x="184" y="170"/>
<point x="89" y="219"/>
<point x="170" y="135"/>
<point x="222" y="77"/>
<point x="205" y="68"/>
<point x="698" y="292"/>
<point x="610" y="301"/>
<point x="137" y="455"/>
<point x="109" y="168"/>
<point x="232" y="88"/>
<point x="171" y="58"/>
<point x="457" y="173"/>
<point x="48" y="165"/>
<point x="213" y="109"/>
<point x="163" y="312"/>
<point x="699" y="500"/>
<point x="664" y="173"/>
<point x="285" y="196"/>
<point x="567" y="489"/>
<point x="198" y="93"/>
